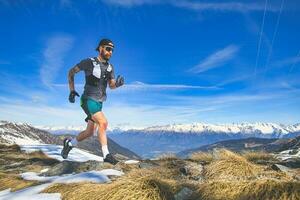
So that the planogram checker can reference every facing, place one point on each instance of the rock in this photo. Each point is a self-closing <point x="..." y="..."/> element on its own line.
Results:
<point x="183" y="194"/>
<point x="69" y="167"/>
<point x="286" y="170"/>
<point x="192" y="170"/>
<point x="291" y="162"/>
<point x="278" y="167"/>
<point x="184" y="171"/>
<point x="148" y="164"/>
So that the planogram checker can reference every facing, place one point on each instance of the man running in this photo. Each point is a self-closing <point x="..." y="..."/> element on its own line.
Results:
<point x="98" y="73"/>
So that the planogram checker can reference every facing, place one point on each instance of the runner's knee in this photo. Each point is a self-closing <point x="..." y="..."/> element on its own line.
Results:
<point x="103" y="124"/>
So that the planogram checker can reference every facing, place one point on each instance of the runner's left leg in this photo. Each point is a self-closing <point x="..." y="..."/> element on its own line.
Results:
<point x="88" y="132"/>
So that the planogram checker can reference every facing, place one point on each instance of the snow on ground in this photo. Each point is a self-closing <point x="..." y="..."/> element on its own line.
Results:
<point x="284" y="155"/>
<point x="77" y="155"/>
<point x="53" y="151"/>
<point x="33" y="193"/>
<point x="131" y="162"/>
<point x="92" y="176"/>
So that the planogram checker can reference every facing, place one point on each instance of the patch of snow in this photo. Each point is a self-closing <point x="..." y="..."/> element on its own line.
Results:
<point x="53" y="151"/>
<point x="284" y="155"/>
<point x="33" y="176"/>
<point x="44" y="170"/>
<point x="131" y="161"/>
<point x="90" y="176"/>
<point x="31" y="193"/>
<point x="4" y="192"/>
<point x="111" y="172"/>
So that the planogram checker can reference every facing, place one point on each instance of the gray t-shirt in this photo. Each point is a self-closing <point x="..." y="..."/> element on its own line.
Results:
<point x="97" y="74"/>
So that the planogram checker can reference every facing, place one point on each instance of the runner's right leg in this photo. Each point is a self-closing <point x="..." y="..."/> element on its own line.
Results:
<point x="101" y="121"/>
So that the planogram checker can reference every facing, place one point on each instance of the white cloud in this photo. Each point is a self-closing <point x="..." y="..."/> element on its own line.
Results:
<point x="147" y="115"/>
<point x="197" y="6"/>
<point x="130" y="3"/>
<point x="291" y="61"/>
<point x="40" y="114"/>
<point x="56" y="49"/>
<point x="170" y="109"/>
<point x="140" y="86"/>
<point x="217" y="59"/>
<point x="228" y="6"/>
<point x="137" y="85"/>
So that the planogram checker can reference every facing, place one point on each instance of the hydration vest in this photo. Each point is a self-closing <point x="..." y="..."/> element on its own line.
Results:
<point x="98" y="76"/>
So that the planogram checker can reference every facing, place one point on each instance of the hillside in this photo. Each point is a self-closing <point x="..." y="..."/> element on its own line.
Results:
<point x="209" y="176"/>
<point x="25" y="134"/>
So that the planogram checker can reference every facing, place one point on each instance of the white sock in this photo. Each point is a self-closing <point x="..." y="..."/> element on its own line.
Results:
<point x="73" y="142"/>
<point x="105" y="151"/>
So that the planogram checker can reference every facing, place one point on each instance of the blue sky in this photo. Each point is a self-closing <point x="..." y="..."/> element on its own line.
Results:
<point x="183" y="61"/>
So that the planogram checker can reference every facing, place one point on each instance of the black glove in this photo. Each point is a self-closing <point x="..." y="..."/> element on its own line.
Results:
<point x="119" y="81"/>
<point x="72" y="96"/>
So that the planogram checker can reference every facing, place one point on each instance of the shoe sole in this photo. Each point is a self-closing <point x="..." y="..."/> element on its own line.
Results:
<point x="65" y="152"/>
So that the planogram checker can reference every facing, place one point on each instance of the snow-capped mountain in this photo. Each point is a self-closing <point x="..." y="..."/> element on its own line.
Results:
<point x="194" y="128"/>
<point x="57" y="130"/>
<point x="25" y="134"/>
<point x="22" y="134"/>
<point x="234" y="128"/>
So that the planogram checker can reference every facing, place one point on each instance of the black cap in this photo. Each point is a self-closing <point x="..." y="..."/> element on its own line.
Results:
<point x="104" y="42"/>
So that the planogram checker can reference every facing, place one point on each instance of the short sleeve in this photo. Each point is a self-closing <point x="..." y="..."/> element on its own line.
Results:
<point x="84" y="64"/>
<point x="111" y="74"/>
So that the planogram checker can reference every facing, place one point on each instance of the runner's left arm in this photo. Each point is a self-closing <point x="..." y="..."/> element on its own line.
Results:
<point x="112" y="84"/>
<point x="111" y="80"/>
<point x="115" y="83"/>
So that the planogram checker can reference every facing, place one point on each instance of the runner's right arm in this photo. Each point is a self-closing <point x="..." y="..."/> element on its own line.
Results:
<point x="71" y="75"/>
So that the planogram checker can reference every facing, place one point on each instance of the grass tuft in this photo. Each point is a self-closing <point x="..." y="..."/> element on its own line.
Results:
<point x="248" y="190"/>
<point x="202" y="157"/>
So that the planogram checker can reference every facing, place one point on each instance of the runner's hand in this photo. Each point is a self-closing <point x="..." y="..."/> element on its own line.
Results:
<point x="72" y="96"/>
<point x="119" y="81"/>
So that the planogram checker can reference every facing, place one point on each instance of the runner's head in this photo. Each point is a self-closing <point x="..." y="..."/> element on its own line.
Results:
<point x="105" y="48"/>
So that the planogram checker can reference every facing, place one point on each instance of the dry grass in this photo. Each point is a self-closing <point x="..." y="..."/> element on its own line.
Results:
<point x="249" y="190"/>
<point x="256" y="157"/>
<point x="14" y="147"/>
<point x="13" y="162"/>
<point x="231" y="166"/>
<point x="227" y="176"/>
<point x="202" y="157"/>
<point x="139" y="185"/>
<point x="15" y="182"/>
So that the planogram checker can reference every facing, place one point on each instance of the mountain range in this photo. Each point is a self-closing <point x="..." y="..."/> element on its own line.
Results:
<point x="270" y="145"/>
<point x="152" y="141"/>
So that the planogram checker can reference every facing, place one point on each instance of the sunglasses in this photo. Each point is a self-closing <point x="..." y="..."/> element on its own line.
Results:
<point x="109" y="48"/>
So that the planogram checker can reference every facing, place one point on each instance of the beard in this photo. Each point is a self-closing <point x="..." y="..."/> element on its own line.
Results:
<point x="104" y="56"/>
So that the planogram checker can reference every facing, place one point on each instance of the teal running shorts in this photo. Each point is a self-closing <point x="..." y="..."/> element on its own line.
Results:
<point x="90" y="106"/>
